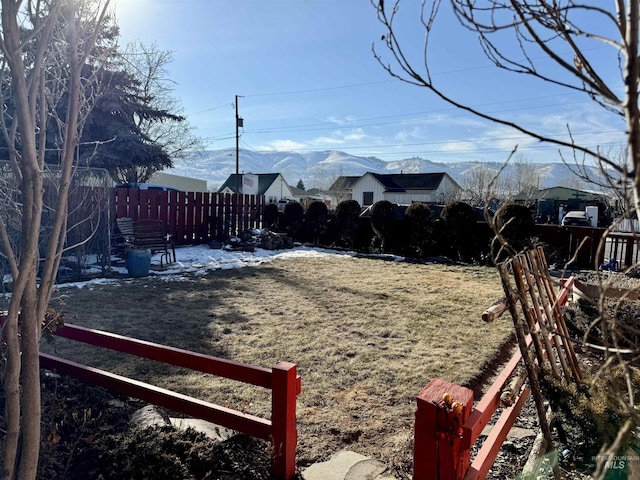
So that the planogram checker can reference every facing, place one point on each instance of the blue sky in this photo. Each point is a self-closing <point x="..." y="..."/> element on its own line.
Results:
<point x="309" y="81"/>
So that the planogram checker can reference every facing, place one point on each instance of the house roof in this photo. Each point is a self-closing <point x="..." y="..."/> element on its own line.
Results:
<point x="559" y="193"/>
<point x="401" y="182"/>
<point x="312" y="194"/>
<point x="265" y="180"/>
<point x="343" y="183"/>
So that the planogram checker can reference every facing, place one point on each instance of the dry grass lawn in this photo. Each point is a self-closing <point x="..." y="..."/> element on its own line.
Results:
<point x="367" y="336"/>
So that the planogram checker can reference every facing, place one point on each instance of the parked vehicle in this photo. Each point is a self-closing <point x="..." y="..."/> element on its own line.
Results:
<point x="576" y="218"/>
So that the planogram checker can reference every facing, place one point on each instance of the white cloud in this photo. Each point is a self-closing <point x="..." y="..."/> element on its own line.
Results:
<point x="320" y="141"/>
<point x="355" y="135"/>
<point x="283" y="145"/>
<point x="505" y="138"/>
<point x="414" y="133"/>
<point x="457" y="147"/>
<point x="340" y="137"/>
<point x="347" y="119"/>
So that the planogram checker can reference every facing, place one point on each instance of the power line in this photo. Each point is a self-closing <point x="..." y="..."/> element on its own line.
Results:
<point x="212" y="108"/>
<point x="364" y="84"/>
<point x="322" y="89"/>
<point x="301" y="128"/>
<point x="470" y="141"/>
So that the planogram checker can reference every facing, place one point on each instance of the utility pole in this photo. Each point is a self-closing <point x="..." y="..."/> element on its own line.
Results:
<point x="239" y="123"/>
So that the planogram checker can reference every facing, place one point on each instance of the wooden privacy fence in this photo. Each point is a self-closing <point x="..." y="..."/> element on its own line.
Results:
<point x="623" y="248"/>
<point x="191" y="217"/>
<point x="447" y="424"/>
<point x="579" y="243"/>
<point x="582" y="243"/>
<point x="282" y="379"/>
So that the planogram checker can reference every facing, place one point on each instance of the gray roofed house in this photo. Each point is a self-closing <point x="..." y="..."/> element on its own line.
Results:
<point x="400" y="188"/>
<point x="344" y="183"/>
<point x="400" y="182"/>
<point x="272" y="185"/>
<point x="340" y="190"/>
<point x="305" y="197"/>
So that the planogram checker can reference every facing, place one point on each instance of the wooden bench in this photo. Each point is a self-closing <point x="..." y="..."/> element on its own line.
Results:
<point x="149" y="234"/>
<point x="122" y="236"/>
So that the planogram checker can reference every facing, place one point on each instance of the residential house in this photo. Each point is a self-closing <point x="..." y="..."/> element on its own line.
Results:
<point x="340" y="190"/>
<point x="272" y="185"/>
<point x="404" y="188"/>
<point x="324" y="196"/>
<point x="305" y="197"/>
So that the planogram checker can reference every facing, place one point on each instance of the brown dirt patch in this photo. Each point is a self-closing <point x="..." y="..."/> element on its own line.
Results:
<point x="366" y="335"/>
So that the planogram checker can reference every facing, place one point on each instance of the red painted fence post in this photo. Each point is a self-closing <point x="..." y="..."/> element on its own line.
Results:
<point x="437" y="450"/>
<point x="283" y="420"/>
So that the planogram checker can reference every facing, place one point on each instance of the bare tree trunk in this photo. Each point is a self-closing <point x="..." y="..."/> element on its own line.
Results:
<point x="12" y="394"/>
<point x="31" y="412"/>
<point x="26" y="281"/>
<point x="632" y="114"/>
<point x="29" y="301"/>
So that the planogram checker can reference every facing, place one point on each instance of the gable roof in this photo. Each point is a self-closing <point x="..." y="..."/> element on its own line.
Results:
<point x="312" y="194"/>
<point x="559" y="193"/>
<point x="567" y="192"/>
<point x="265" y="180"/>
<point x="401" y="182"/>
<point x="344" y="183"/>
<point x="298" y="192"/>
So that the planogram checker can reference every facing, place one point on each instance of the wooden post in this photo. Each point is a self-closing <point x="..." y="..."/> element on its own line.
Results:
<point x="438" y="453"/>
<point x="182" y="217"/>
<point x="283" y="420"/>
<point x="628" y="253"/>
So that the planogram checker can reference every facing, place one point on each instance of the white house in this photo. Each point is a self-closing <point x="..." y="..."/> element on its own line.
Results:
<point x="404" y="188"/>
<point x="272" y="185"/>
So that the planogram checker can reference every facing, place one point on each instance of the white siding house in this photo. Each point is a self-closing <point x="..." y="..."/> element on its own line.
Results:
<point x="272" y="185"/>
<point x="404" y="188"/>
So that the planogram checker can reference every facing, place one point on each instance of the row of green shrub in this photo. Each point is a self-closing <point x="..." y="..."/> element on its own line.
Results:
<point x="455" y="232"/>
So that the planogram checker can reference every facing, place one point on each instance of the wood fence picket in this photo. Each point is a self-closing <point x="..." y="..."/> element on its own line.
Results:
<point x="191" y="217"/>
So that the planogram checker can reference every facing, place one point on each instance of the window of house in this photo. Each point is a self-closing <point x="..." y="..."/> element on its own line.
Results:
<point x="367" y="198"/>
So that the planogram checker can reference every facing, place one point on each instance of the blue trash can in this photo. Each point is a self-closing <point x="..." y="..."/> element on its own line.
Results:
<point x="138" y="262"/>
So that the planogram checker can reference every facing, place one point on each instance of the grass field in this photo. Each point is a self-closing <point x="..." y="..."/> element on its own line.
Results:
<point x="367" y="336"/>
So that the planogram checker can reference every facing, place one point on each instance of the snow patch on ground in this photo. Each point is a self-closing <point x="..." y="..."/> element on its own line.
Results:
<point x="199" y="259"/>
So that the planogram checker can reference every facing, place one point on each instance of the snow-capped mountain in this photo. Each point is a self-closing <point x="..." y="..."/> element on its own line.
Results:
<point x="319" y="169"/>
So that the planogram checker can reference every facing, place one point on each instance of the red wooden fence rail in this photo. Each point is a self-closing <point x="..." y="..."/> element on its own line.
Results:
<point x="191" y="217"/>
<point x="445" y="431"/>
<point x="282" y="379"/>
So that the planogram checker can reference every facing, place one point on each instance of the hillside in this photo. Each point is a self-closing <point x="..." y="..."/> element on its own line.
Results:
<point x="319" y="169"/>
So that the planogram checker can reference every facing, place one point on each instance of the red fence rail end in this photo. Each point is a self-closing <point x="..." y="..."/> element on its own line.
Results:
<point x="285" y="389"/>
<point x="442" y="409"/>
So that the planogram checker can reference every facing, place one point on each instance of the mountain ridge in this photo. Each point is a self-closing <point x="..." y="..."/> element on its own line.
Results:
<point x="318" y="169"/>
